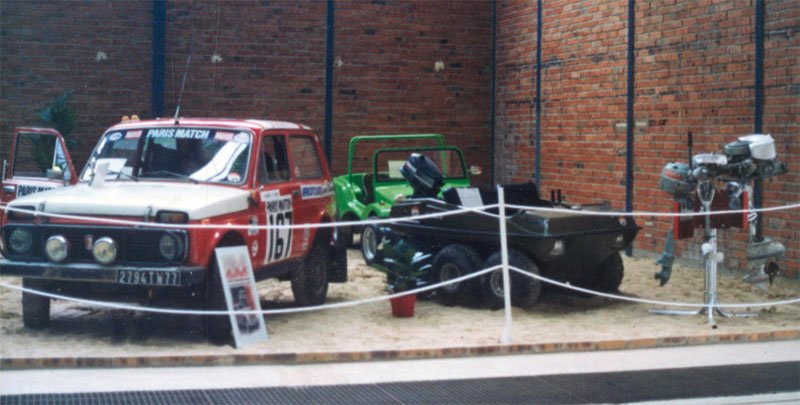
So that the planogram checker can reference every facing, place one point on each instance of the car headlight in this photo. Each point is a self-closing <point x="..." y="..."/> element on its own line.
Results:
<point x="169" y="247"/>
<point x="558" y="248"/>
<point x="20" y="241"/>
<point x="56" y="248"/>
<point x="105" y="250"/>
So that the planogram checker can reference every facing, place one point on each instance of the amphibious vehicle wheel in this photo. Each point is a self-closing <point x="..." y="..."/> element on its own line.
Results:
<point x="370" y="236"/>
<point x="35" y="308"/>
<point x="310" y="281"/>
<point x="218" y="327"/>
<point x="525" y="290"/>
<point x="610" y="274"/>
<point x="452" y="262"/>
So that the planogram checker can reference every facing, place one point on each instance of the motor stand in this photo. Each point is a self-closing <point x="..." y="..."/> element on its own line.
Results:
<point x="711" y="257"/>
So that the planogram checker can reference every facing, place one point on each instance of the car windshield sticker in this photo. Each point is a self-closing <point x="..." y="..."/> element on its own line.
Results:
<point x="224" y="136"/>
<point x="178" y="133"/>
<point x="310" y="191"/>
<point x="133" y="134"/>
<point x="241" y="137"/>
<point x="115" y="136"/>
<point x="279" y="240"/>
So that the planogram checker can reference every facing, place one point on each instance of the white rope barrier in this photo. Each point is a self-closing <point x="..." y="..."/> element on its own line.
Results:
<point x="650" y="213"/>
<point x="371" y="300"/>
<point x="161" y="225"/>
<point x="172" y="311"/>
<point x="461" y="210"/>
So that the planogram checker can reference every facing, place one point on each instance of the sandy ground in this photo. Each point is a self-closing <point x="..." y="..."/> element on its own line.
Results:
<point x="78" y="330"/>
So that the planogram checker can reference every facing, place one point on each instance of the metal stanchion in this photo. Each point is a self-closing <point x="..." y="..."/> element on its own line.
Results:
<point x="501" y="200"/>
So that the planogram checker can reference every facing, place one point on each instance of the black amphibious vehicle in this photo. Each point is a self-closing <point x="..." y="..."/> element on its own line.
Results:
<point x="569" y="245"/>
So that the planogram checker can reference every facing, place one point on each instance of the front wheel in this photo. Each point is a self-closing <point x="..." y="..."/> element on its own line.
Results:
<point x="452" y="262"/>
<point x="35" y="307"/>
<point x="525" y="290"/>
<point x="310" y="281"/>
<point x="370" y="236"/>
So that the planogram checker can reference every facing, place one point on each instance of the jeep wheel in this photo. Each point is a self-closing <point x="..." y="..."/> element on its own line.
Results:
<point x="35" y="308"/>
<point x="218" y="327"/>
<point x="610" y="274"/>
<point x="525" y="290"/>
<point x="370" y="237"/>
<point x="310" y="281"/>
<point x="452" y="262"/>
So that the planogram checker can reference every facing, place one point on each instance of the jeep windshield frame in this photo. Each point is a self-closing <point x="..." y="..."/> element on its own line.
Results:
<point x="455" y="169"/>
<point x="174" y="153"/>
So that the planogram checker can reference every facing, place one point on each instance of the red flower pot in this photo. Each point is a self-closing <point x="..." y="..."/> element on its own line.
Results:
<point x="403" y="307"/>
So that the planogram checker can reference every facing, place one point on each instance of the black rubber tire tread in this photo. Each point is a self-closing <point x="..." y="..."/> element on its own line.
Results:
<point x="218" y="327"/>
<point x="309" y="288"/>
<point x="370" y="228"/>
<point x="35" y="308"/>
<point x="525" y="290"/>
<point x="466" y="261"/>
<point x="610" y="276"/>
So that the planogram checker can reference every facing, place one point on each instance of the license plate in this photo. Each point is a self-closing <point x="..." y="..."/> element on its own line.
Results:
<point x="149" y="277"/>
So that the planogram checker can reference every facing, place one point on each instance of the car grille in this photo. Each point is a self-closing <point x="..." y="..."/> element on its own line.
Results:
<point x="136" y="246"/>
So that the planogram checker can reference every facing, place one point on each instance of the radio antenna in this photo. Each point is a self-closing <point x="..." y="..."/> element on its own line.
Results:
<point x="185" y="73"/>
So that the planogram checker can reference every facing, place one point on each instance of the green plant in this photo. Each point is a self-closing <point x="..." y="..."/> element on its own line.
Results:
<point x="61" y="117"/>
<point x="403" y="264"/>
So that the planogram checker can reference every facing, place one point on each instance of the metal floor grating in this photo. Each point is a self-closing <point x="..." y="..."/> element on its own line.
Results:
<point x="629" y="386"/>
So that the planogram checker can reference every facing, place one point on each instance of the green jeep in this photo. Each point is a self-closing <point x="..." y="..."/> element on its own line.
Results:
<point x="371" y="194"/>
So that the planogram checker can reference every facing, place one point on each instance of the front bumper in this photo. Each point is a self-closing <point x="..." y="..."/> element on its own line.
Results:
<point x="176" y="276"/>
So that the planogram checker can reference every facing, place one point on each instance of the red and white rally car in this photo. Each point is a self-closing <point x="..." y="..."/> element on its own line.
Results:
<point x="188" y="171"/>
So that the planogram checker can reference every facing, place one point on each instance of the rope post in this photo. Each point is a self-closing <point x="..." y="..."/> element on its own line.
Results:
<point x="505" y="338"/>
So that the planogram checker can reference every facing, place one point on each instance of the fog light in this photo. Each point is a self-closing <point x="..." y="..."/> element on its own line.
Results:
<point x="104" y="250"/>
<point x="558" y="248"/>
<point x="56" y="248"/>
<point x="20" y="241"/>
<point x="619" y="240"/>
<point x="168" y="247"/>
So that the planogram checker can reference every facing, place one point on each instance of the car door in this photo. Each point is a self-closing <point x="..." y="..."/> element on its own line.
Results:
<point x="314" y="191"/>
<point x="39" y="161"/>
<point x="275" y="202"/>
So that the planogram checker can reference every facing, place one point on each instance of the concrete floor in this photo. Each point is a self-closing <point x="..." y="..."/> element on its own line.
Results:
<point x="64" y="381"/>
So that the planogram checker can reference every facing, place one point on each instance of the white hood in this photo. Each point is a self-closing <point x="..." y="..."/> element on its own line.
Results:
<point x="118" y="198"/>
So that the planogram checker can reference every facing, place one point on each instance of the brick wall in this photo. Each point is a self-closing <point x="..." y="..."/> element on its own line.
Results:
<point x="100" y="50"/>
<point x="270" y="63"/>
<point x="694" y="72"/>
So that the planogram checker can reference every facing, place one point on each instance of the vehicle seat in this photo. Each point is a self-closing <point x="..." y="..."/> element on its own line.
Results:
<point x="368" y="187"/>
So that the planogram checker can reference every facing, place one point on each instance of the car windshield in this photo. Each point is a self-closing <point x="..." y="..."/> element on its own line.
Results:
<point x="195" y="154"/>
<point x="389" y="162"/>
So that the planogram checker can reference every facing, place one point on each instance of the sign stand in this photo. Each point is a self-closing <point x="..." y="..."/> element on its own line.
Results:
<point x="241" y="294"/>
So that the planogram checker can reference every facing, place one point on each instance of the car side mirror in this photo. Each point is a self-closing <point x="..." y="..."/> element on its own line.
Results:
<point x="55" y="173"/>
<point x="475" y="170"/>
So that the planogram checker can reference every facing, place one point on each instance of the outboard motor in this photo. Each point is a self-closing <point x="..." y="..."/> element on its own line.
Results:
<point x="424" y="176"/>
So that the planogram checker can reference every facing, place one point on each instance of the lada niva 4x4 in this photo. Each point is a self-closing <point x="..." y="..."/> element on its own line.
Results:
<point x="240" y="179"/>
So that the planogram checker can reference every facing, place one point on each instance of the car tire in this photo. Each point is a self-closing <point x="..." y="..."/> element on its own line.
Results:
<point x="310" y="281"/>
<point x="525" y="290"/>
<point x="452" y="262"/>
<point x="35" y="307"/>
<point x="218" y="327"/>
<point x="370" y="238"/>
<point x="610" y="274"/>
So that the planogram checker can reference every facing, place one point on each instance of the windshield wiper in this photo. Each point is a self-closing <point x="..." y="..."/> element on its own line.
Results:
<point x="171" y="174"/>
<point x="130" y="176"/>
